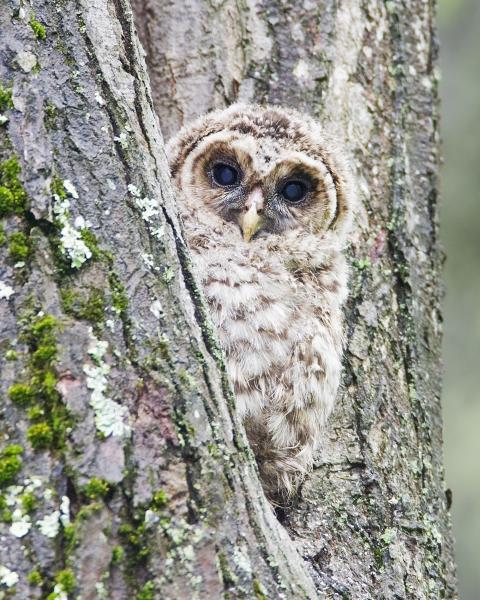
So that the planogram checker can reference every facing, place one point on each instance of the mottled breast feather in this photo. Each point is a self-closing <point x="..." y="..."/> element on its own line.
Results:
<point x="276" y="300"/>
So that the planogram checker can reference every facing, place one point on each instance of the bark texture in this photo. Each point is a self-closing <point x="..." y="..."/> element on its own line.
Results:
<point x="124" y="474"/>
<point x="373" y="520"/>
<point x="99" y="311"/>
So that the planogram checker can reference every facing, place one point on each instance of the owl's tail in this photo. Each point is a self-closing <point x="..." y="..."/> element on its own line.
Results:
<point x="282" y="470"/>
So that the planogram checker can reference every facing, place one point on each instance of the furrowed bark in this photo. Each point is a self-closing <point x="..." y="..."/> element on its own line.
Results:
<point x="373" y="521"/>
<point x="123" y="470"/>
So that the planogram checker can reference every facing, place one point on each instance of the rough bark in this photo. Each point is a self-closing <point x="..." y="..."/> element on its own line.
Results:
<point x="170" y="506"/>
<point x="98" y="305"/>
<point x="373" y="520"/>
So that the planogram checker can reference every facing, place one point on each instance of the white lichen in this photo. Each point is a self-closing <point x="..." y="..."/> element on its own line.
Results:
<point x="389" y="535"/>
<point x="50" y="524"/>
<point x="71" y="241"/>
<point x="8" y="577"/>
<point x="70" y="188"/>
<point x="13" y="495"/>
<point x="48" y="494"/>
<point x="65" y="511"/>
<point x="5" y="291"/>
<point x="240" y="556"/>
<point x="156" y="309"/>
<point x="102" y="593"/>
<point x="3" y="119"/>
<point x="151" y="517"/>
<point x="26" y="60"/>
<point x="21" y="523"/>
<point x="32" y="483"/>
<point x="97" y="348"/>
<point x="168" y="275"/>
<point x="302" y="70"/>
<point x="158" y="232"/>
<point x="148" y="260"/>
<point x="149" y="207"/>
<point x="133" y="190"/>
<point x="99" y="99"/>
<point x="189" y="553"/>
<point x="122" y="139"/>
<point x="79" y="222"/>
<point x="109" y="415"/>
<point x="59" y="593"/>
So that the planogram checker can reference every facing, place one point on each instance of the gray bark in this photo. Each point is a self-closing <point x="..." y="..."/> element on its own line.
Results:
<point x="172" y="507"/>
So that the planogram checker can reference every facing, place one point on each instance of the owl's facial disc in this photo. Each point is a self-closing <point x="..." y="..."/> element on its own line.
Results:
<point x="263" y="197"/>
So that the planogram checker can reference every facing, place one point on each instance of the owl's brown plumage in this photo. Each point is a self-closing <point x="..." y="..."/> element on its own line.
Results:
<point x="266" y="204"/>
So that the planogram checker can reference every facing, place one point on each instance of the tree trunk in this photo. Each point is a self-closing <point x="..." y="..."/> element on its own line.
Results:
<point x="124" y="471"/>
<point x="373" y="520"/>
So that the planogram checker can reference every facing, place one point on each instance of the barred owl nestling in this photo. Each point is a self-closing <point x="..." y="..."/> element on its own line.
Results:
<point x="266" y="206"/>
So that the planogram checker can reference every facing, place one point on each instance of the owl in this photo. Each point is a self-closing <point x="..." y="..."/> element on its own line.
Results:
<point x="266" y="203"/>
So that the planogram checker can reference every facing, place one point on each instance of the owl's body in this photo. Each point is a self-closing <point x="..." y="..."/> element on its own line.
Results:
<point x="276" y="295"/>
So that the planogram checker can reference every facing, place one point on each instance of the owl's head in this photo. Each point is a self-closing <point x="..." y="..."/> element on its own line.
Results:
<point x="267" y="169"/>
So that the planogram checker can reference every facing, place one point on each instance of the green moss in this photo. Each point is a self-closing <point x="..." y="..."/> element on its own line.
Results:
<point x="28" y="502"/>
<point x="91" y="309"/>
<point x="13" y="198"/>
<point x="91" y="242"/>
<point x="69" y="300"/>
<point x="44" y="355"/>
<point x="21" y="393"/>
<point x="41" y="335"/>
<point x="5" y="512"/>
<point x="96" y="488"/>
<point x="146" y="593"/>
<point x="12" y="450"/>
<point x="45" y="382"/>
<point x="41" y="392"/>
<point x="164" y="348"/>
<point x="362" y="264"/>
<point x="35" y="413"/>
<point x="229" y="578"/>
<point x="11" y="355"/>
<point x="42" y="327"/>
<point x="70" y="537"/>
<point x="57" y="188"/>
<point x="119" y="297"/>
<point x="6" y="102"/>
<point x="9" y="468"/>
<point x="37" y="67"/>
<point x="136" y="537"/>
<point x="38" y="29"/>
<point x="168" y="275"/>
<point x="19" y="246"/>
<point x="3" y="237"/>
<point x="378" y="556"/>
<point x="40" y="435"/>
<point x="66" y="579"/>
<point x="50" y="115"/>
<point x="87" y="511"/>
<point x="159" y="500"/>
<point x="258" y="590"/>
<point x="6" y="516"/>
<point x="118" y="554"/>
<point x="34" y="578"/>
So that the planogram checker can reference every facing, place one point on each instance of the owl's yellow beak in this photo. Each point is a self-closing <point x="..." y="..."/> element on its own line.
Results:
<point x="251" y="220"/>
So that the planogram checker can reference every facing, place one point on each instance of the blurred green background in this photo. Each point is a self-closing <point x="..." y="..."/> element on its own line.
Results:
<point x="460" y="220"/>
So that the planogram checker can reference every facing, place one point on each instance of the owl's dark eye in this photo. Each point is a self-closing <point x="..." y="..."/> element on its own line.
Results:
<point x="225" y="175"/>
<point x="294" y="191"/>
